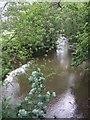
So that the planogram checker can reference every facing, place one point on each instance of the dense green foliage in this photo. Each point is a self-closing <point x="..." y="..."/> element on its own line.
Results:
<point x="29" y="29"/>
<point x="82" y="38"/>
<point x="34" y="104"/>
<point x="32" y="29"/>
<point x="76" y="28"/>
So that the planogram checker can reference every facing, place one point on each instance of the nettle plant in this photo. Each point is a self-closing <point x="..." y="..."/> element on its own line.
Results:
<point x="34" y="104"/>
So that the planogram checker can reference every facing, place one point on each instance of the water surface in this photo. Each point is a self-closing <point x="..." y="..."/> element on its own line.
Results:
<point x="69" y="84"/>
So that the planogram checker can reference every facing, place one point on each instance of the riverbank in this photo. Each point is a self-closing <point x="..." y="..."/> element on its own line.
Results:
<point x="67" y="82"/>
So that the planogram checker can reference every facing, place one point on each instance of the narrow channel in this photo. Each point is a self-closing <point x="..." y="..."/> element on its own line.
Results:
<point x="68" y="83"/>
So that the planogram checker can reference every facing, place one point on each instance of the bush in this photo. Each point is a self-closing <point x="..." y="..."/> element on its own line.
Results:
<point x="34" y="104"/>
<point x="28" y="30"/>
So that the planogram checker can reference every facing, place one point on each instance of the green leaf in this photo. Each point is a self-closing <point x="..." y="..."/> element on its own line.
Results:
<point x="35" y="111"/>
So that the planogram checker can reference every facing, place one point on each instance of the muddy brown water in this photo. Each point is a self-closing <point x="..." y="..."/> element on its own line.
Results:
<point x="69" y="84"/>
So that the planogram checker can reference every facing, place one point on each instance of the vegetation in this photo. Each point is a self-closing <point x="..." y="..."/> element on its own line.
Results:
<point x="82" y="38"/>
<point x="30" y="30"/>
<point x="34" y="104"/>
<point x="75" y="24"/>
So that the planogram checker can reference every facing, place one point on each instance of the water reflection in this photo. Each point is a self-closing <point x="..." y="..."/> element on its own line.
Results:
<point x="62" y="53"/>
<point x="66" y="82"/>
<point x="64" y="107"/>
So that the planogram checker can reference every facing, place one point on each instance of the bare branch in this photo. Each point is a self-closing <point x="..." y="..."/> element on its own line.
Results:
<point x="4" y="7"/>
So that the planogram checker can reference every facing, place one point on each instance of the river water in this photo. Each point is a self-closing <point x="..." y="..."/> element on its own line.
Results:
<point x="70" y="84"/>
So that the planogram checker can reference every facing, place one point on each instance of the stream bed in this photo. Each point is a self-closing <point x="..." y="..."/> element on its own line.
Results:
<point x="69" y="83"/>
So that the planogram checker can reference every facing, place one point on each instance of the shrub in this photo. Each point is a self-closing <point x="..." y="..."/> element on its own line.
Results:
<point x="34" y="104"/>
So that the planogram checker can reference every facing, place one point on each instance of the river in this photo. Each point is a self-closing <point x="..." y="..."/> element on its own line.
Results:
<point x="69" y="83"/>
